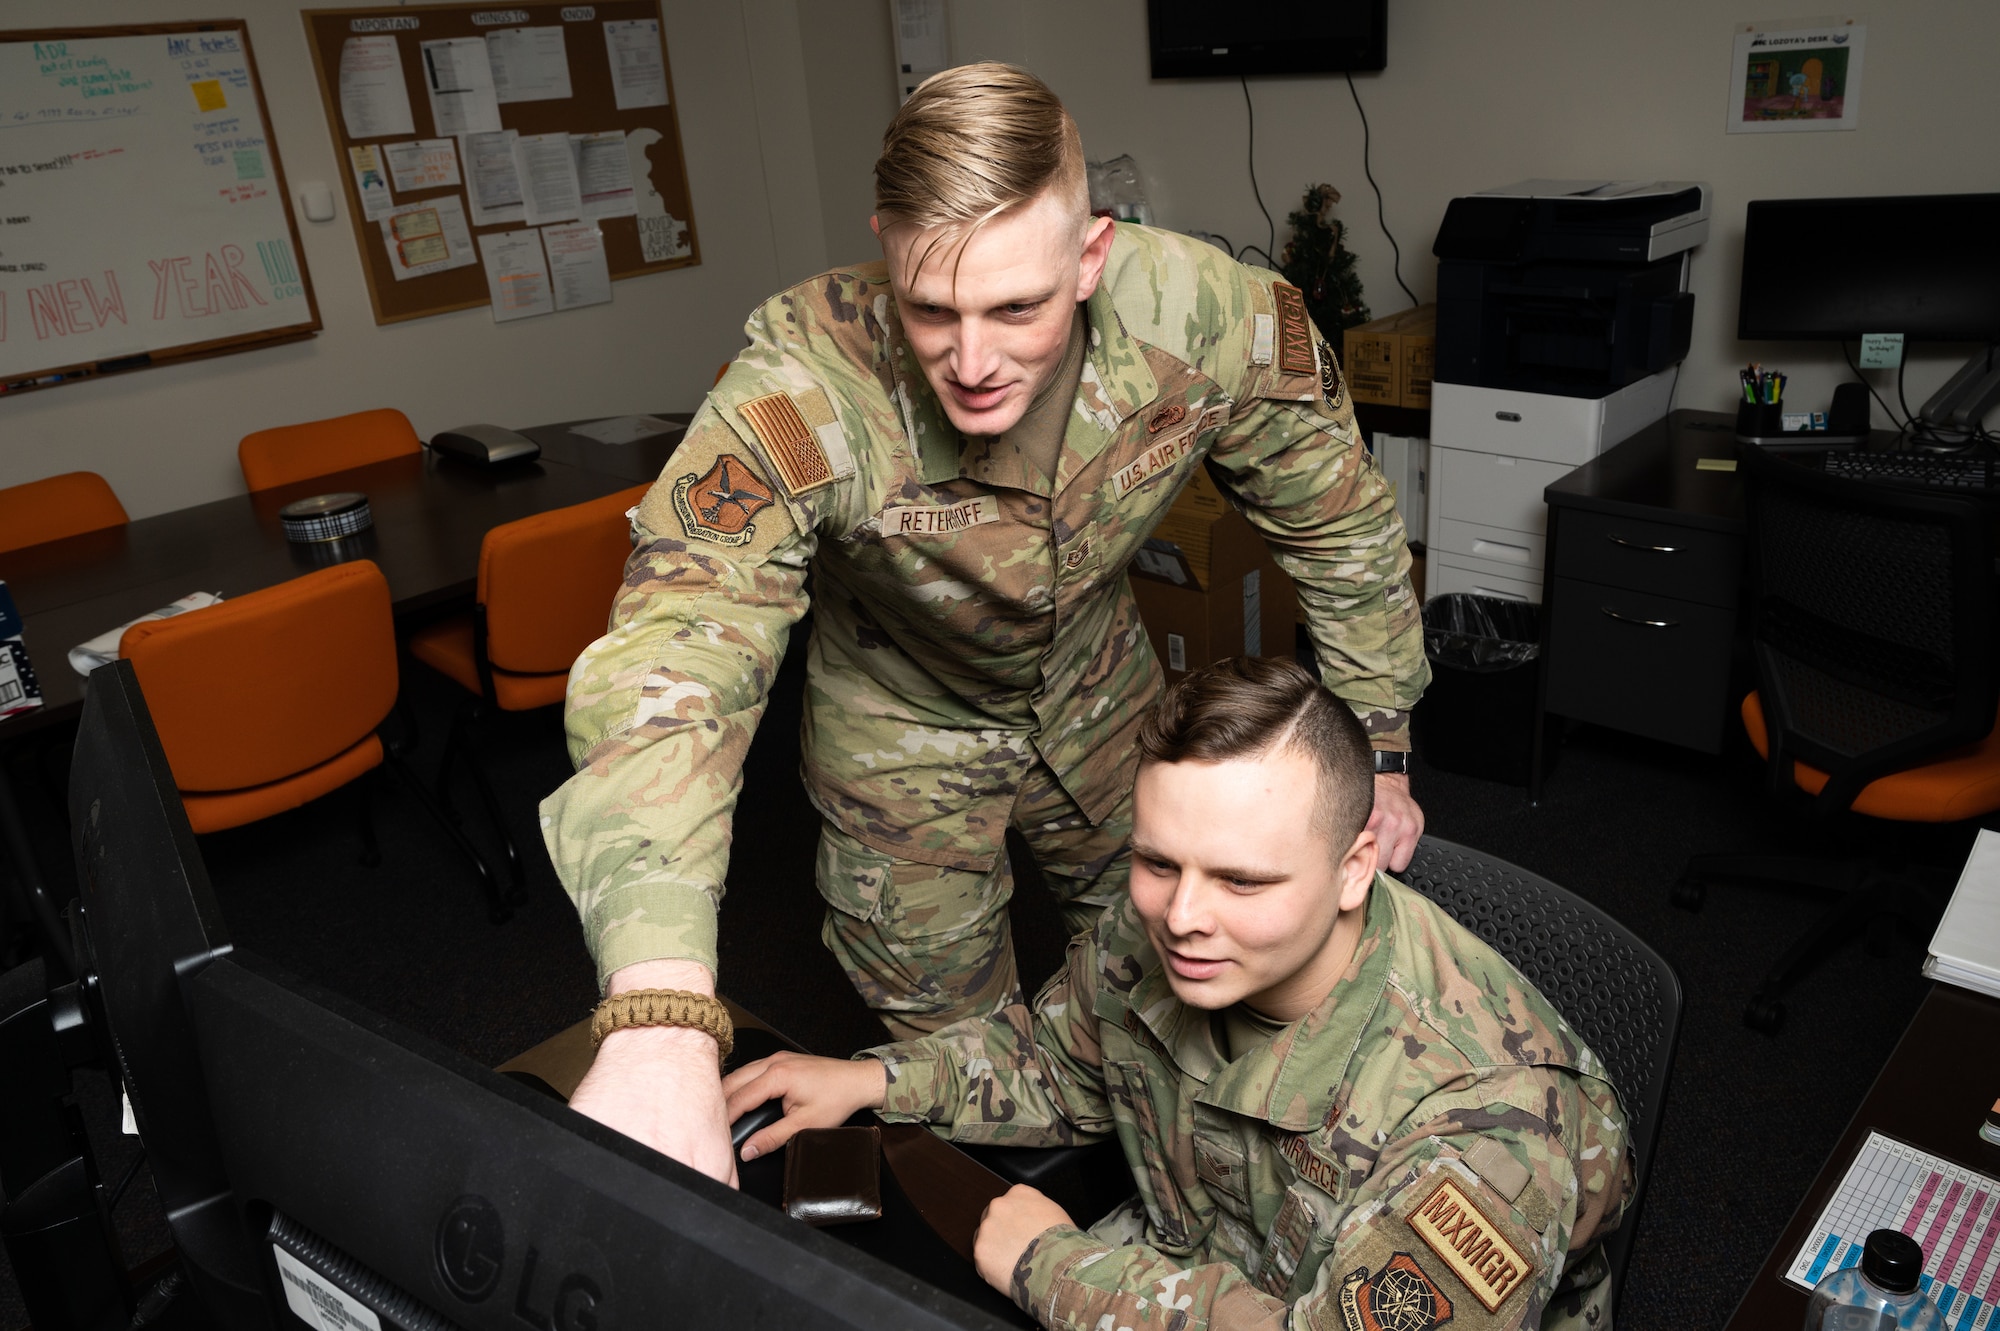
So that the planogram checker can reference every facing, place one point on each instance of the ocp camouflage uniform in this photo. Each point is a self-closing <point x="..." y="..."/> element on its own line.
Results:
<point x="977" y="658"/>
<point x="1431" y="1144"/>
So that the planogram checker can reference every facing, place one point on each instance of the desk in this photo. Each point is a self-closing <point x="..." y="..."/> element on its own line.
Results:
<point x="902" y="1237"/>
<point x="1932" y="1093"/>
<point x="431" y="513"/>
<point x="1642" y="583"/>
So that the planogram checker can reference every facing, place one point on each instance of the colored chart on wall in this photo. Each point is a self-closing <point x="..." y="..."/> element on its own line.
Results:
<point x="1952" y="1212"/>
<point x="143" y="212"/>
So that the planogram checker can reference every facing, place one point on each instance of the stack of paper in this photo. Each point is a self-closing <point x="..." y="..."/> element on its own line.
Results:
<point x="1965" y="951"/>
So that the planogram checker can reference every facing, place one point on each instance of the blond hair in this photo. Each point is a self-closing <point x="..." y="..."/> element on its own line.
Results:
<point x="969" y="144"/>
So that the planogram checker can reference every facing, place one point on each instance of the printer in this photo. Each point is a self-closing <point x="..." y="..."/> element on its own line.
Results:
<point x="1575" y="287"/>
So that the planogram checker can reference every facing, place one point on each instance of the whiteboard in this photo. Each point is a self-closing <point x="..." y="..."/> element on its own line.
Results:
<point x="143" y="212"/>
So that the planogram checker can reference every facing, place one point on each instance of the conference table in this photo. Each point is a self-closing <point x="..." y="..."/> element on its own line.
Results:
<point x="1932" y="1094"/>
<point x="431" y="512"/>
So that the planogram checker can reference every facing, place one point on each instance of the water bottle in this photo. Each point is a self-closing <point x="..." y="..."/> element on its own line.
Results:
<point x="1879" y="1295"/>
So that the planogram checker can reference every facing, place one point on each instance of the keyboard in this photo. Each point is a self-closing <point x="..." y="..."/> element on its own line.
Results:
<point x="1925" y="469"/>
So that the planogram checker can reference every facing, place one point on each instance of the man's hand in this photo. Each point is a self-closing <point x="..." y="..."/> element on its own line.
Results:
<point x="1012" y="1221"/>
<point x="1397" y="821"/>
<point x="662" y="1085"/>
<point x="817" y="1093"/>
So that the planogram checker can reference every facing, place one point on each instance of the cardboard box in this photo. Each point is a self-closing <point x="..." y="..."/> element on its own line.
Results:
<point x="1388" y="361"/>
<point x="1208" y="588"/>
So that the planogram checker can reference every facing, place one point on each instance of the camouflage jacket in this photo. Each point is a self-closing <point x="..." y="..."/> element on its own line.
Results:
<point x="1431" y="1141"/>
<point x="972" y="615"/>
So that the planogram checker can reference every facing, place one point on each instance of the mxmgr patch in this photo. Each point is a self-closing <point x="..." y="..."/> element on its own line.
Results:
<point x="1470" y="1244"/>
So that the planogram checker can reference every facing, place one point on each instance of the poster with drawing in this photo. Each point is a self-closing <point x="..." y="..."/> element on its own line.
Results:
<point x="1788" y="80"/>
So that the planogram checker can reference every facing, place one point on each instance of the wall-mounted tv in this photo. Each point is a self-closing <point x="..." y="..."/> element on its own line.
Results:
<point x="1203" y="38"/>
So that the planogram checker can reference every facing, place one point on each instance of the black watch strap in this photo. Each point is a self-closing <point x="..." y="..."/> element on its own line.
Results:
<point x="1391" y="763"/>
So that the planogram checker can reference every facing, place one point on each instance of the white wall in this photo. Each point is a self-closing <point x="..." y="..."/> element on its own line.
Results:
<point x="166" y="437"/>
<point x="850" y="64"/>
<point x="782" y="106"/>
<point x="1478" y="95"/>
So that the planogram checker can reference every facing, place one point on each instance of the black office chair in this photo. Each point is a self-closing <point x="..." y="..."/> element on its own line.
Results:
<point x="1617" y="993"/>
<point x="1872" y="620"/>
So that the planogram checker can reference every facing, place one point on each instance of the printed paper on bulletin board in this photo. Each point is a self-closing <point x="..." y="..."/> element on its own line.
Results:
<point x="450" y="123"/>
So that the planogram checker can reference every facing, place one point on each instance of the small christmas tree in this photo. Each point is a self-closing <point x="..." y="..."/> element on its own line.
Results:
<point x="1317" y="264"/>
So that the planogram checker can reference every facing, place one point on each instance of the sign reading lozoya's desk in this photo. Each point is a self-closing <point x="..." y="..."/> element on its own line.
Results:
<point x="143" y="215"/>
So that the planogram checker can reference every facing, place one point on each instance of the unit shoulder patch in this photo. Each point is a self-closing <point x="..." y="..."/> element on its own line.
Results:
<point x="1399" y="1297"/>
<point x="1332" y="391"/>
<point x="718" y="504"/>
<point x="1295" y="338"/>
<point x="1470" y="1244"/>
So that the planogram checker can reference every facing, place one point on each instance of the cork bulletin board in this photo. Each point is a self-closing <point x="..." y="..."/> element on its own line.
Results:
<point x="412" y="123"/>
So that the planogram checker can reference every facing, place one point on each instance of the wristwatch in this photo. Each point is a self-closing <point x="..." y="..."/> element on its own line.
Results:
<point x="1391" y="763"/>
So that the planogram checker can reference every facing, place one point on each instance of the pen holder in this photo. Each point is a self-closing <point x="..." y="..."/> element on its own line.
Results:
<point x="1760" y="420"/>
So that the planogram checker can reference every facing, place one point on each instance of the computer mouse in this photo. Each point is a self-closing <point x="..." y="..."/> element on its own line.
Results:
<point x="763" y="1116"/>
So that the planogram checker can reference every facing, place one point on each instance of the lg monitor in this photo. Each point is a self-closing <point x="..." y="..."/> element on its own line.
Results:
<point x="318" y="1164"/>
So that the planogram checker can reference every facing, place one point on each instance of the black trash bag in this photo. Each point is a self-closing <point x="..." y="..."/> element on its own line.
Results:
<point x="1477" y="717"/>
<point x="1481" y="633"/>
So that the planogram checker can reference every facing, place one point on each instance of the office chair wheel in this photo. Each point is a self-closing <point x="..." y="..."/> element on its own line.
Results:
<point x="1764" y="1015"/>
<point x="1690" y="893"/>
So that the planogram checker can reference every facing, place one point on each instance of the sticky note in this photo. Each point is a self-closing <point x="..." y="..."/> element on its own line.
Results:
<point x="1881" y="351"/>
<point x="1715" y="464"/>
<point x="208" y="95"/>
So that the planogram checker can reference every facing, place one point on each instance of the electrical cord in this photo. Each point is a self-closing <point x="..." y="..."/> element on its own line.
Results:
<point x="1863" y="381"/>
<point x="1272" y="242"/>
<point x="125" y="1181"/>
<point x="1925" y="434"/>
<point x="1380" y="215"/>
<point x="1909" y="417"/>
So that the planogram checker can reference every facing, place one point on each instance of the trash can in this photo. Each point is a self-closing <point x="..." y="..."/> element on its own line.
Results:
<point x="1477" y="718"/>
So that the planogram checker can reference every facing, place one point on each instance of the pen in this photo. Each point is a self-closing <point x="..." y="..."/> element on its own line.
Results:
<point x="42" y="382"/>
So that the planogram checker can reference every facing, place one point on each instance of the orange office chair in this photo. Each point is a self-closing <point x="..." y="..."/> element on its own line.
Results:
<point x="546" y="585"/>
<point x="299" y="452"/>
<point x="55" y="507"/>
<point x="1873" y="627"/>
<point x="273" y="699"/>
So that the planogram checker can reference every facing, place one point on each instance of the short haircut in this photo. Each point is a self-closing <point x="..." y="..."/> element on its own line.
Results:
<point x="970" y="143"/>
<point x="1246" y="707"/>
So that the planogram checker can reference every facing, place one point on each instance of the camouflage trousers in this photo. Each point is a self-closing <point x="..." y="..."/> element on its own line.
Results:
<point x="926" y="946"/>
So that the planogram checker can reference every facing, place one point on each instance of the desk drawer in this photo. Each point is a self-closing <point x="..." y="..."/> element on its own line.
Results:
<point x="1482" y="577"/>
<point x="1641" y="663"/>
<point x="1688" y="563"/>
<point x="1492" y="490"/>
<point x="1495" y="545"/>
